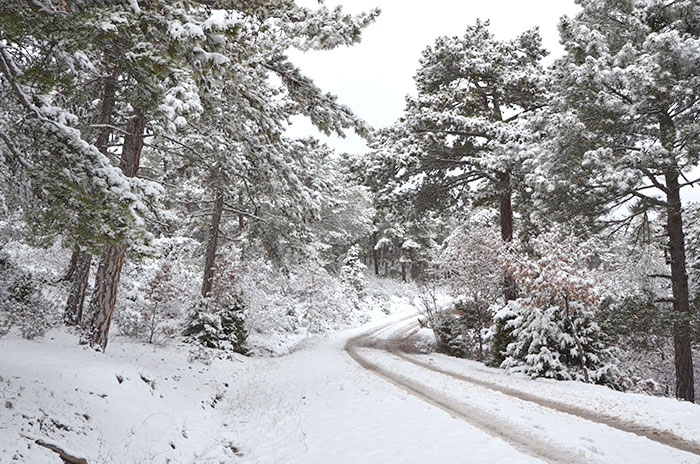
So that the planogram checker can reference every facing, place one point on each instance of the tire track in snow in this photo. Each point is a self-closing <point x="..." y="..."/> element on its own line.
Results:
<point x="524" y="442"/>
<point x="398" y="347"/>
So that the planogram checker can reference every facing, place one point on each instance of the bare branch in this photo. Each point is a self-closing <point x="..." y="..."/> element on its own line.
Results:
<point x="660" y="276"/>
<point x="525" y="111"/>
<point x="652" y="200"/>
<point x="654" y="180"/>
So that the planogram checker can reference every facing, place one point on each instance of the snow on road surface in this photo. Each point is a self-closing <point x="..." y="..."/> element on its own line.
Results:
<point x="317" y="405"/>
<point x="322" y="407"/>
<point x="540" y="431"/>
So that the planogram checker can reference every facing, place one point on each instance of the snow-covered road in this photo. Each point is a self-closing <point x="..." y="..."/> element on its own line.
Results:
<point x="326" y="408"/>
<point x="544" y="426"/>
<point x="377" y="404"/>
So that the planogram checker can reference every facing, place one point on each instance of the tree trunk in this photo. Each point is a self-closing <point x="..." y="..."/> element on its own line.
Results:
<point x="506" y="220"/>
<point x="212" y="245"/>
<point x="104" y="296"/>
<point x="403" y="272"/>
<point x="133" y="144"/>
<point x="73" y="314"/>
<point x="685" y="388"/>
<point x="375" y="254"/>
<point x="72" y="266"/>
<point x="81" y="260"/>
<point x="109" y="96"/>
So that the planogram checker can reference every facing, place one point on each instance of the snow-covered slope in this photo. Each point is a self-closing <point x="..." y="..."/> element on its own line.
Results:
<point x="130" y="405"/>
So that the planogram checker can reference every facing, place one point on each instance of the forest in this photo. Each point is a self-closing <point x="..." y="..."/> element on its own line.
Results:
<point x="537" y="211"/>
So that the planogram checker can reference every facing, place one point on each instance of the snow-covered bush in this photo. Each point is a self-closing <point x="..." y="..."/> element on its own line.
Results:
<point x="547" y="345"/>
<point x="160" y="296"/>
<point x="450" y="334"/>
<point x="22" y="305"/>
<point x="468" y="268"/>
<point x="553" y="324"/>
<point x="381" y="292"/>
<point x="218" y="324"/>
<point x="460" y="330"/>
<point x="219" y="321"/>
<point x="283" y="308"/>
<point x="469" y="262"/>
<point x="158" y="290"/>
<point x="284" y="304"/>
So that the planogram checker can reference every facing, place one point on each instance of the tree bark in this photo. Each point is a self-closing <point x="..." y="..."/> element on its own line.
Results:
<point x="212" y="245"/>
<point x="109" y="96"/>
<point x="104" y="296"/>
<point x="375" y="254"/>
<point x="683" y="354"/>
<point x="506" y="220"/>
<point x="72" y="266"/>
<point x="403" y="272"/>
<point x="73" y="314"/>
<point x="685" y="387"/>
<point x="133" y="144"/>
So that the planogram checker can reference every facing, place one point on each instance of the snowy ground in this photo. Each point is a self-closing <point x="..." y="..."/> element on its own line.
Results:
<point x="317" y="405"/>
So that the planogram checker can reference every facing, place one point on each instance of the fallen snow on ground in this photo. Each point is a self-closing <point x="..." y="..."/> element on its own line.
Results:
<point x="135" y="404"/>
<point x="313" y="406"/>
<point x="131" y="405"/>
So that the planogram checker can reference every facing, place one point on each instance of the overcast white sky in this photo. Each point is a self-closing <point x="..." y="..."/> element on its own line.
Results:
<point x="374" y="76"/>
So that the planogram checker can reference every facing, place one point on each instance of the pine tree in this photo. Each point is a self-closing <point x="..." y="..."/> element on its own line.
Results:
<point x="160" y="66"/>
<point x="218" y="326"/>
<point x="626" y="126"/>
<point x="464" y="127"/>
<point x="237" y="151"/>
<point x="352" y="274"/>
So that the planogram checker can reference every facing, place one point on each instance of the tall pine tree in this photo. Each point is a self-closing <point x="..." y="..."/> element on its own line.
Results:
<point x="626" y="126"/>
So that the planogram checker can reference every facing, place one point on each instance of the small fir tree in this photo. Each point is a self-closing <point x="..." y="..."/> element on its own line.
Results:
<point x="353" y="273"/>
<point x="218" y="325"/>
<point x="553" y="322"/>
<point x="218" y="320"/>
